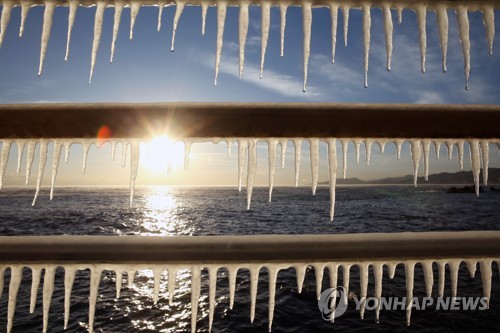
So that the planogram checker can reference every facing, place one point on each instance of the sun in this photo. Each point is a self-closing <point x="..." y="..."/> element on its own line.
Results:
<point x="162" y="154"/>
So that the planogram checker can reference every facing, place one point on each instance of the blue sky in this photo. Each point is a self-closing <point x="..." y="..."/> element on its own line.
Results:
<point x="144" y="70"/>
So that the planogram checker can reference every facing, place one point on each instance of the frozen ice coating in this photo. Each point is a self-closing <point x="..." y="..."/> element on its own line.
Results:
<point x="363" y="281"/>
<point x="377" y="272"/>
<point x="16" y="275"/>
<point x="485" y="267"/>
<point x="489" y="24"/>
<point x="345" y="12"/>
<point x="475" y="163"/>
<point x="95" y="279"/>
<point x="454" y="266"/>
<point x="48" y="14"/>
<point x="471" y="267"/>
<point x="232" y="272"/>
<point x="399" y="9"/>
<point x="25" y="8"/>
<point x="41" y="167"/>
<point x="368" y="147"/>
<point x="334" y="13"/>
<point x="300" y="272"/>
<point x="4" y="159"/>
<point x="426" y="147"/>
<point x="441" y="273"/>
<point x="56" y="155"/>
<point x="221" y="19"/>
<point x="69" y="279"/>
<point x="20" y="149"/>
<point x="242" y="149"/>
<point x="73" y="6"/>
<point x="367" y="23"/>
<point x="252" y="169"/>
<point x="195" y="295"/>
<point x="485" y="154"/>
<point x="421" y="11"/>
<point x="204" y="9"/>
<point x="99" y="16"/>
<point x="48" y="290"/>
<point x="242" y="33"/>
<point x="409" y="272"/>
<point x="428" y="277"/>
<point x="416" y="154"/>
<point x="306" y="23"/>
<point x="334" y="271"/>
<point x="346" y="268"/>
<point x="273" y="274"/>
<point x="345" y="146"/>
<point x="254" y="280"/>
<point x="463" y="30"/>
<point x="265" y="25"/>
<point x="283" y="143"/>
<point x="298" y="147"/>
<point x="357" y="144"/>
<point x="85" y="146"/>
<point x="116" y="26"/>
<point x="399" y="145"/>
<point x="135" y="6"/>
<point x="460" y="148"/>
<point x="212" y="288"/>
<point x="161" y="5"/>
<point x="36" y="273"/>
<point x="272" y="146"/>
<point x="283" y="9"/>
<point x="67" y="145"/>
<point x="319" y="270"/>
<point x="5" y="18"/>
<point x="30" y="155"/>
<point x="332" y="168"/>
<point x="442" y="23"/>
<point x="178" y="12"/>
<point x="314" y="161"/>
<point x="388" y="27"/>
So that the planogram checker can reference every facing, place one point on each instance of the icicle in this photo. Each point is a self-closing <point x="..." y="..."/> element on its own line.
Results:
<point x="56" y="154"/>
<point x="334" y="12"/>
<point x="242" y="148"/>
<point x="332" y="167"/>
<point x="460" y="148"/>
<point x="272" y="144"/>
<point x="391" y="269"/>
<point x="116" y="25"/>
<point x="195" y="295"/>
<point x="125" y="146"/>
<point x="357" y="144"/>
<point x="345" y="13"/>
<point x="437" y="148"/>
<point x="463" y="29"/>
<point x="475" y="162"/>
<point x="48" y="14"/>
<point x="99" y="16"/>
<point x="409" y="271"/>
<point x="113" y="150"/>
<point x="135" y="6"/>
<point x="367" y="22"/>
<point x="266" y="22"/>
<point x="232" y="273"/>
<point x="134" y="165"/>
<point x="20" y="149"/>
<point x="178" y="12"/>
<point x="187" y="152"/>
<point x="156" y="287"/>
<point x="73" y="7"/>
<point x="172" y="275"/>
<point x="161" y="5"/>
<point x="471" y="267"/>
<point x="283" y="143"/>
<point x="204" y="9"/>
<point x="229" y="143"/>
<point x="283" y="10"/>
<point x="485" y="266"/>
<point x="41" y="168"/>
<point x="399" y="9"/>
<point x="298" y="147"/>
<point x="85" y="146"/>
<point x="428" y="277"/>
<point x="2" y="273"/>
<point x="388" y="27"/>
<point x="254" y="280"/>
<point x="48" y="290"/>
<point x="36" y="273"/>
<point x="30" y="155"/>
<point x="442" y="22"/>
<point x="377" y="271"/>
<point x="399" y="145"/>
<point x="252" y="169"/>
<point x="16" y="274"/>
<point x="416" y="154"/>
<point x="118" y="282"/>
<point x="69" y="279"/>
<point x="221" y="19"/>
<point x="242" y="33"/>
<point x="346" y="268"/>
<point x="363" y="281"/>
<point x="381" y="146"/>
<point x="485" y="153"/>
<point x="489" y="24"/>
<point x="441" y="273"/>
<point x="421" y="11"/>
<point x="334" y="270"/>
<point x="314" y="160"/>
<point x="4" y="158"/>
<point x="95" y="279"/>
<point x="212" y="289"/>
<point x="67" y="145"/>
<point x="25" y="8"/>
<point x="300" y="272"/>
<point x="273" y="274"/>
<point x="345" y="146"/>
<point x="318" y="273"/>
<point x="454" y="265"/>
<point x="368" y="147"/>
<point x="5" y="18"/>
<point x="306" y="24"/>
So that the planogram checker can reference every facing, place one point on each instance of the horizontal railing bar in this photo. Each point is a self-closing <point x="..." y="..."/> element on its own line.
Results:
<point x="247" y="249"/>
<point x="208" y="120"/>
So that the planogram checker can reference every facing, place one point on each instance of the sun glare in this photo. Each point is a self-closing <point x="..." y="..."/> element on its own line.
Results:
<point x="162" y="154"/>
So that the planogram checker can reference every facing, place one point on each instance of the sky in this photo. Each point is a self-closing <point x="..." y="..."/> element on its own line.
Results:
<point x="144" y="70"/>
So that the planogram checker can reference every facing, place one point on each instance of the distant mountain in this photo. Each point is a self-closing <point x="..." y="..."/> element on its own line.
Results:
<point x="461" y="177"/>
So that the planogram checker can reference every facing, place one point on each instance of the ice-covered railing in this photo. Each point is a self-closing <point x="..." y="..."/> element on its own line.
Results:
<point x="422" y="126"/>
<point x="461" y="8"/>
<point x="253" y="253"/>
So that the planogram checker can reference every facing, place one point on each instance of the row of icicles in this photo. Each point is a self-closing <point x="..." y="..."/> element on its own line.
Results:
<point x="421" y="9"/>
<point x="96" y="270"/>
<point x="247" y="154"/>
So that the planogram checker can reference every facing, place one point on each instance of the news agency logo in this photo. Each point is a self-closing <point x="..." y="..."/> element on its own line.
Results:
<point x="333" y="303"/>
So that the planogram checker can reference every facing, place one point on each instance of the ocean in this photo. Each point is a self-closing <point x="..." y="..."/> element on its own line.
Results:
<point x="221" y="211"/>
